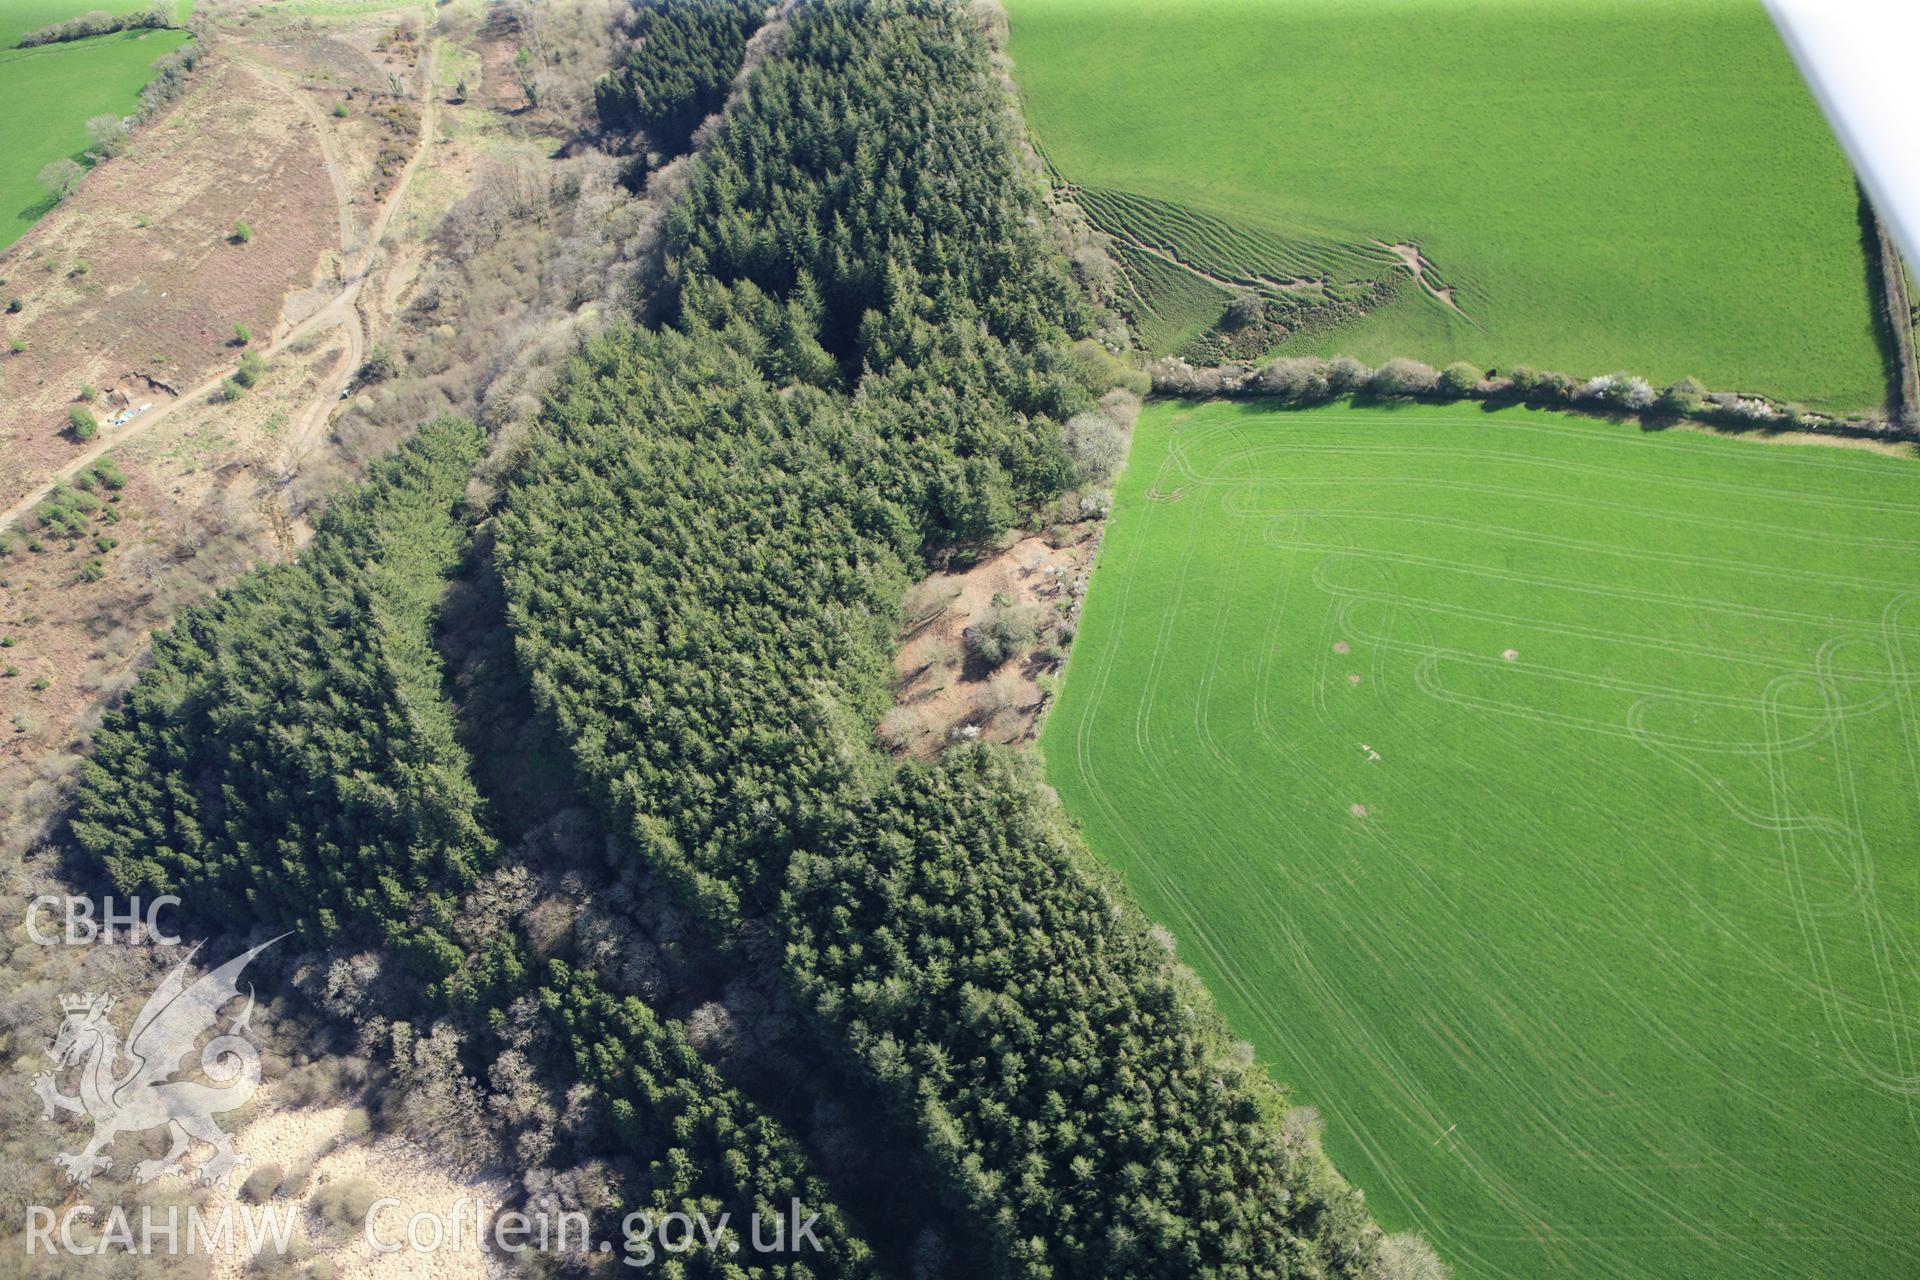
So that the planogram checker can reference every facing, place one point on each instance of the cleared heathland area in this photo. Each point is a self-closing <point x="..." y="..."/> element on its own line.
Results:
<point x="1539" y="796"/>
<point x="48" y="93"/>
<point x="1593" y="185"/>
<point x="20" y="17"/>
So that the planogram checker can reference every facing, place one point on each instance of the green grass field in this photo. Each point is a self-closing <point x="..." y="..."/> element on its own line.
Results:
<point x="47" y="95"/>
<point x="1540" y="797"/>
<point x="1606" y="183"/>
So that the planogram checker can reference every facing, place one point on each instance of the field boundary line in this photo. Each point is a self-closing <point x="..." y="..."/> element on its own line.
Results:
<point x="1899" y="317"/>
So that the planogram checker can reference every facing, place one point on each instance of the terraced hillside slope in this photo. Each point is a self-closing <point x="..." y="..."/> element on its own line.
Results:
<point x="1539" y="797"/>
<point x="1584" y="186"/>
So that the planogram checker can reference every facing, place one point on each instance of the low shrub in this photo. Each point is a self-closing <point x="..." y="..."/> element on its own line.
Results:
<point x="261" y="1184"/>
<point x="1459" y="379"/>
<point x="1173" y="376"/>
<point x="1301" y="378"/>
<point x="170" y="72"/>
<point x="1682" y="398"/>
<point x="109" y="135"/>
<point x="1550" y="386"/>
<point x="1400" y="377"/>
<point x="297" y="1180"/>
<point x="1746" y="409"/>
<point x="1247" y="309"/>
<point x="345" y="1202"/>
<point x="1345" y="374"/>
<point x="1004" y="632"/>
<point x="1617" y="391"/>
<point x="379" y="365"/>
<point x="1633" y="394"/>
<point x="252" y="369"/>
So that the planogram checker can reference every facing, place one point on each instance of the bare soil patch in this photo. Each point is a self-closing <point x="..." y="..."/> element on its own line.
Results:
<point x="498" y="46"/>
<point x="944" y="695"/>
<point x="361" y="86"/>
<point x="1423" y="272"/>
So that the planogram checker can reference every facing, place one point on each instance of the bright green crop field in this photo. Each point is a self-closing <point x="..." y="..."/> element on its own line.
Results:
<point x="1606" y="184"/>
<point x="48" y="93"/>
<point x="1542" y="798"/>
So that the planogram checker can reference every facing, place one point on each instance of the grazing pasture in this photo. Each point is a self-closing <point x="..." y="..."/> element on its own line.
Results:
<point x="1600" y="184"/>
<point x="48" y="93"/>
<point x="1539" y="796"/>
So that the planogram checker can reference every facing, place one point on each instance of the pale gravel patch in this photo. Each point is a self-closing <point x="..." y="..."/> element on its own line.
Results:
<point x="395" y="1165"/>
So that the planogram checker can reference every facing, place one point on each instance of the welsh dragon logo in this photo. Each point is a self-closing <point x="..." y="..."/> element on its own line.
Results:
<point x="130" y="1089"/>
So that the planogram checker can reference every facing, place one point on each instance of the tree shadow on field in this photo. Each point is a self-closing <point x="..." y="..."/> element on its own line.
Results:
<point x="39" y="209"/>
<point x="1883" y="337"/>
<point x="1254" y="405"/>
<point x="1384" y="404"/>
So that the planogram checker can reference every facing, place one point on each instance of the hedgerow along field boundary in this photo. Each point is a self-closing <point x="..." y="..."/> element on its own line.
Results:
<point x="1537" y="794"/>
<point x="1592" y="185"/>
<point x="49" y="92"/>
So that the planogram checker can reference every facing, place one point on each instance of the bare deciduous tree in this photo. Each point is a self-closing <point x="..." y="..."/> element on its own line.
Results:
<point x="1407" y="1257"/>
<point x="61" y="177"/>
<point x="1401" y="377"/>
<point x="710" y="1028"/>
<point x="109" y="135"/>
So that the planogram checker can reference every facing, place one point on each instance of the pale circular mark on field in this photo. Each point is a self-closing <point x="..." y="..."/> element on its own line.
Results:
<point x="1511" y="655"/>
<point x="1353" y="677"/>
<point x="1341" y="646"/>
<point x="1357" y="810"/>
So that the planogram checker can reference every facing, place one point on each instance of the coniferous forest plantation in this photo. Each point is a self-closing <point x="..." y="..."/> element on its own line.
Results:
<point x="627" y="753"/>
<point x="853" y="361"/>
